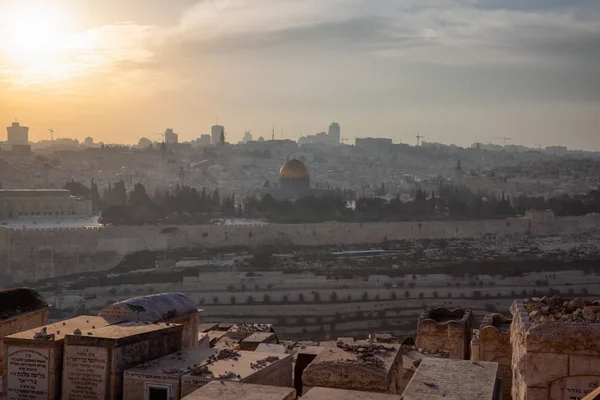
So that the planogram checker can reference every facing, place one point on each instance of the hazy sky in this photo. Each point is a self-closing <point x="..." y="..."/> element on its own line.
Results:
<point x="455" y="71"/>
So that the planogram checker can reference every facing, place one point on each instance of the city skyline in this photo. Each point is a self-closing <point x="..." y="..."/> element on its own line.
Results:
<point x="455" y="72"/>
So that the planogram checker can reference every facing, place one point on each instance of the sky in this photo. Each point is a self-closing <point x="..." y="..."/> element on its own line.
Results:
<point x="454" y="71"/>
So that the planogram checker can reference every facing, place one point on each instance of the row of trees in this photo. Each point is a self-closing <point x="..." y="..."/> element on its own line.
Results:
<point x="450" y="202"/>
<point x="333" y="296"/>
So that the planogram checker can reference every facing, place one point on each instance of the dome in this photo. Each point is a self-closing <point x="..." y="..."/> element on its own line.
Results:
<point x="293" y="169"/>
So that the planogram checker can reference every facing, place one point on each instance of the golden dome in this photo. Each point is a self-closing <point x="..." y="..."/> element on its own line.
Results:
<point x="293" y="169"/>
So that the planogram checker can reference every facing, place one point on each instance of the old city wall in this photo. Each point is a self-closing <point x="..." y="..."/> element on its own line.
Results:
<point x="39" y="254"/>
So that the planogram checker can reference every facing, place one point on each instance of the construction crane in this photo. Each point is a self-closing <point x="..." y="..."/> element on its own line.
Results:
<point x="162" y="136"/>
<point x="501" y="138"/>
<point x="419" y="137"/>
<point x="51" y="134"/>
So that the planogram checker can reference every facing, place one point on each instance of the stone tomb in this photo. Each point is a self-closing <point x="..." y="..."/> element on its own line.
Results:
<point x="251" y="342"/>
<point x="361" y="365"/>
<point x="493" y="343"/>
<point x="244" y="366"/>
<point x="444" y="329"/>
<point x="21" y="309"/>
<point x="438" y="379"/>
<point x="411" y="359"/>
<point x="34" y="358"/>
<point x="321" y="393"/>
<point x="162" y="307"/>
<point x="556" y="348"/>
<point x="227" y="390"/>
<point x="241" y="331"/>
<point x="163" y="374"/>
<point x="94" y="364"/>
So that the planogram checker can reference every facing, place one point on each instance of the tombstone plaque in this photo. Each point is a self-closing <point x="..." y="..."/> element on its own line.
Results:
<point x="573" y="387"/>
<point x="27" y="374"/>
<point x="85" y="373"/>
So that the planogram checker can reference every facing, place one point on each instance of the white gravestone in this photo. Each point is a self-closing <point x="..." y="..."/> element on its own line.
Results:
<point x="84" y="373"/>
<point x="27" y="374"/>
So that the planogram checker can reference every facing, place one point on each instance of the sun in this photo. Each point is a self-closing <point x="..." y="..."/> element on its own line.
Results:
<point x="35" y="33"/>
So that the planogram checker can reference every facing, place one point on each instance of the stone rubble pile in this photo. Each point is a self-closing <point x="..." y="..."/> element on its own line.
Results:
<point x="224" y="354"/>
<point x="263" y="362"/>
<point x="430" y="352"/>
<point x="366" y="353"/>
<point x="555" y="309"/>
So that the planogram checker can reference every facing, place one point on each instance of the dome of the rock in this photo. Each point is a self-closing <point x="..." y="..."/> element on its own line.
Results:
<point x="294" y="174"/>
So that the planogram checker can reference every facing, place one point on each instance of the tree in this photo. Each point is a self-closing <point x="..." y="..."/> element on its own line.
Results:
<point x="285" y="298"/>
<point x="421" y="295"/>
<point x="333" y="296"/>
<point x="250" y="300"/>
<point x="449" y="295"/>
<point x="316" y="296"/>
<point x="215" y="299"/>
<point x="393" y="296"/>
<point x="435" y="294"/>
<point x="301" y="298"/>
<point x="585" y="291"/>
<point x="95" y="195"/>
<point x="233" y="300"/>
<point x="365" y="296"/>
<point x="407" y="294"/>
<point x="266" y="298"/>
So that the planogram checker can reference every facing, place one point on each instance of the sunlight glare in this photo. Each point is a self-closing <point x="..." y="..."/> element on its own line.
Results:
<point x="34" y="33"/>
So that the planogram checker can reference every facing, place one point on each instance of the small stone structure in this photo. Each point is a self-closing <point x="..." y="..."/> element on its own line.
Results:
<point x="443" y="329"/>
<point x="20" y="309"/>
<point x="94" y="363"/>
<point x="242" y="331"/>
<point x="454" y="379"/>
<point x="34" y="358"/>
<point x="227" y="390"/>
<point x="411" y="359"/>
<point x="161" y="307"/>
<point x="362" y="365"/>
<point x="320" y="393"/>
<point x="260" y="368"/>
<point x="555" y="347"/>
<point x="493" y="343"/>
<point x="251" y="342"/>
<point x="163" y="375"/>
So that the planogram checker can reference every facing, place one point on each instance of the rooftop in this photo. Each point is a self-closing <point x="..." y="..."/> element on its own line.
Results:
<point x="438" y="379"/>
<point x="320" y="393"/>
<point x="129" y="329"/>
<point x="235" y="391"/>
<point x="57" y="331"/>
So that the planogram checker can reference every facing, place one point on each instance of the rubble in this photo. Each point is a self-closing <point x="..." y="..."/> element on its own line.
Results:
<point x="366" y="353"/>
<point x="263" y="362"/>
<point x="225" y="354"/>
<point x="556" y="309"/>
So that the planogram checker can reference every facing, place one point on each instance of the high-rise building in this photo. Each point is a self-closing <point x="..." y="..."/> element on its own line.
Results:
<point x="89" y="141"/>
<point x="334" y="133"/>
<point x="215" y="132"/>
<point x="171" y="137"/>
<point x="247" y="137"/>
<point x="17" y="134"/>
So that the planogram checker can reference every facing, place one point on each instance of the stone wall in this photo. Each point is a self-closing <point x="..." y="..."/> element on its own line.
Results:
<point x="47" y="253"/>
<point x="558" y="360"/>
<point x="443" y="329"/>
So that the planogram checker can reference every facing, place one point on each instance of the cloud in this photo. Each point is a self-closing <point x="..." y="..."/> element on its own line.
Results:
<point x="432" y="31"/>
<point x="106" y="49"/>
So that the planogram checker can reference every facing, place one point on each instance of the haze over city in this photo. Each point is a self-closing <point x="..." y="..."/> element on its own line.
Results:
<point x="453" y="71"/>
